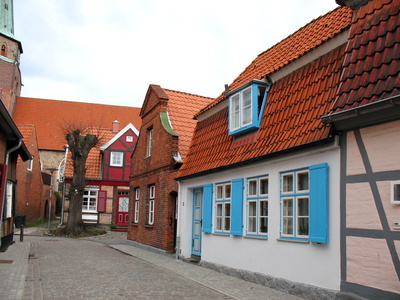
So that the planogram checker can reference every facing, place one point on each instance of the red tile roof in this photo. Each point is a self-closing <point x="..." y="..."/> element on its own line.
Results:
<point x="93" y="162"/>
<point x="372" y="61"/>
<point x="181" y="109"/>
<point x="295" y="104"/>
<point x="293" y="47"/>
<point x="50" y="116"/>
<point x="292" y="117"/>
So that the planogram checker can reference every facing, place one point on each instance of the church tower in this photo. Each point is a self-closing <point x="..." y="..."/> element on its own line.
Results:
<point x="10" y="50"/>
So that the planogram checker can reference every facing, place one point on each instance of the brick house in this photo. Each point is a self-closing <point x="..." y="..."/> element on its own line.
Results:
<point x="50" y="120"/>
<point x="33" y="195"/>
<point x="165" y="135"/>
<point x="11" y="144"/>
<point x="259" y="187"/>
<point x="366" y="115"/>
<point x="106" y="195"/>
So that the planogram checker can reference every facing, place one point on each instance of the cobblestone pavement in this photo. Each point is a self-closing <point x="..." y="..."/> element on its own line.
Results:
<point x="92" y="268"/>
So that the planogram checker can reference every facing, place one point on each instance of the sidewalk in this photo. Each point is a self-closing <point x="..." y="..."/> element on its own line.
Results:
<point x="14" y="268"/>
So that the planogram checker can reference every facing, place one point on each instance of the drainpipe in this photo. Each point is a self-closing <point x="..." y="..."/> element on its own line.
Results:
<point x="66" y="147"/>
<point x="178" y="223"/>
<point x="8" y="152"/>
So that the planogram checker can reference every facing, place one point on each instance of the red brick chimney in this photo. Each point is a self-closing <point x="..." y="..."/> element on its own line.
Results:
<point x="115" y="126"/>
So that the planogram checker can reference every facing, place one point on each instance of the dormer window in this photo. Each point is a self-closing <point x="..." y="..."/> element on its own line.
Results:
<point x="245" y="107"/>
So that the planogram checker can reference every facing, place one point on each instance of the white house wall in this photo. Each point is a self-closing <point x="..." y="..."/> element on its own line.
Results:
<point x="308" y="263"/>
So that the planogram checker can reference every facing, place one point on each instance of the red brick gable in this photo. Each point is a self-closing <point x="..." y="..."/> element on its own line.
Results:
<point x="371" y="68"/>
<point x="49" y="117"/>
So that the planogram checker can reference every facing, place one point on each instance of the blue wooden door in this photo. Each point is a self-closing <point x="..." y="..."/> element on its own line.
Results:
<point x="197" y="222"/>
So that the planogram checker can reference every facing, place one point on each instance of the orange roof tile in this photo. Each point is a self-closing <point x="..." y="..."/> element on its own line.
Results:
<point x="93" y="162"/>
<point x="293" y="47"/>
<point x="181" y="109"/>
<point x="371" y="68"/>
<point x="292" y="117"/>
<point x="50" y="116"/>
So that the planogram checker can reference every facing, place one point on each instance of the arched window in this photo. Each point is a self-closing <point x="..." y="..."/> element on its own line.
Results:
<point x="3" y="50"/>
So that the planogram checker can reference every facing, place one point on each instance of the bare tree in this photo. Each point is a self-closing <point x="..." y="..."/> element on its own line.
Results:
<point x="80" y="143"/>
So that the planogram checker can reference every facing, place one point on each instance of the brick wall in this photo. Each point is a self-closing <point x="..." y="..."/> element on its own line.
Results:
<point x="156" y="170"/>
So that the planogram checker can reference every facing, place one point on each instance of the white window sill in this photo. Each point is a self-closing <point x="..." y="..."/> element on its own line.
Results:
<point x="264" y="238"/>
<point x="293" y="241"/>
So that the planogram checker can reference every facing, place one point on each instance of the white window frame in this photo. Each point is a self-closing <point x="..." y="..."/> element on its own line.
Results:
<point x="92" y="194"/>
<point x="255" y="216"/>
<point x="116" y="158"/>
<point x="129" y="138"/>
<point x="9" y="198"/>
<point x="296" y="195"/>
<point x="152" y="192"/>
<point x="137" y="205"/>
<point x="237" y="113"/>
<point x="30" y="164"/>
<point x="395" y="192"/>
<point x="223" y="207"/>
<point x="149" y="141"/>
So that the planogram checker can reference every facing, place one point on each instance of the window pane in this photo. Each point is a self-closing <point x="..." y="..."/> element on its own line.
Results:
<point x="287" y="207"/>
<point x="252" y="187"/>
<point x="302" y="226"/>
<point x="252" y="209"/>
<point x="252" y="225"/>
<point x="219" y="191"/>
<point x="227" y="222"/>
<point x="246" y="107"/>
<point x="396" y="192"/>
<point x="302" y="204"/>
<point x="264" y="208"/>
<point x="263" y="225"/>
<point x="263" y="186"/>
<point x="235" y="111"/>
<point x="227" y="191"/>
<point x="287" y="225"/>
<point x="287" y="183"/>
<point x="302" y="181"/>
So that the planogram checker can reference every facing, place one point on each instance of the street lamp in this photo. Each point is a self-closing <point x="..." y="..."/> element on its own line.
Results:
<point x="51" y="170"/>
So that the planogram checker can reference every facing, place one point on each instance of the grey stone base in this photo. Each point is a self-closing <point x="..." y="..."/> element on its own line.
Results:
<point x="294" y="288"/>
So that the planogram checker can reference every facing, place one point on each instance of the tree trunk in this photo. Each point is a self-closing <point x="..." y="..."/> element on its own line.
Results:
<point x="80" y="147"/>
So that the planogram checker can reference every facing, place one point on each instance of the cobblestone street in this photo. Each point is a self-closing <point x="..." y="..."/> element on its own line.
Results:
<point x="107" y="266"/>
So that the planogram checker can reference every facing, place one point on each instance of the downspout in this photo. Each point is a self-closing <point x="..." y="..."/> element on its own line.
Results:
<point x="8" y="152"/>
<point x="178" y="225"/>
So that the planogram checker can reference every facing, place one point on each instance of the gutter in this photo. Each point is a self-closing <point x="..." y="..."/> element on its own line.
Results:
<point x="8" y="152"/>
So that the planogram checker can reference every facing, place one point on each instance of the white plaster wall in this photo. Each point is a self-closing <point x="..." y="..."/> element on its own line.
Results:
<point x="315" y="264"/>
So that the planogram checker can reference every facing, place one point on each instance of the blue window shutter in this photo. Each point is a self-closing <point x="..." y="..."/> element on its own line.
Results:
<point x="207" y="208"/>
<point x="319" y="203"/>
<point x="237" y="207"/>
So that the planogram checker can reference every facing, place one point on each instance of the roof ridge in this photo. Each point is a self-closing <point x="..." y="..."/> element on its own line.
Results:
<point x="185" y="93"/>
<point x="77" y="102"/>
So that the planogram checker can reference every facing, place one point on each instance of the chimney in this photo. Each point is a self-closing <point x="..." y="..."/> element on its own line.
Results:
<point x="115" y="126"/>
<point x="353" y="4"/>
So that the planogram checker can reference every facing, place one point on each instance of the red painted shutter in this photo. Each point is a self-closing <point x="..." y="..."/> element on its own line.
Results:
<point x="3" y="177"/>
<point x="102" y="201"/>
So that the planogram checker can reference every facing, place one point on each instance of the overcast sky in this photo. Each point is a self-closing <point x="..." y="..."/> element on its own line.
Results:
<point x="108" y="52"/>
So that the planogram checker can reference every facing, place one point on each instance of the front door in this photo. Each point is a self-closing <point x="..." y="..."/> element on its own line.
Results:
<point x="197" y="222"/>
<point x="122" y="208"/>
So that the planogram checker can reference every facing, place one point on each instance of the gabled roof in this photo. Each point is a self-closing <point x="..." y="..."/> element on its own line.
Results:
<point x="118" y="135"/>
<point x="293" y="47"/>
<point x="371" y="68"/>
<point x="181" y="110"/>
<point x="50" y="116"/>
<point x="295" y="104"/>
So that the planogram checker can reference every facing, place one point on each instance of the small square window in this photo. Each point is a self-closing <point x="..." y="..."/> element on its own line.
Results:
<point x="129" y="138"/>
<point x="116" y="159"/>
<point x="395" y="192"/>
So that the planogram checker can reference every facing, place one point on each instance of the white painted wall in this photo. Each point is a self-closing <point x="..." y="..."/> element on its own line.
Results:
<point x="315" y="264"/>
